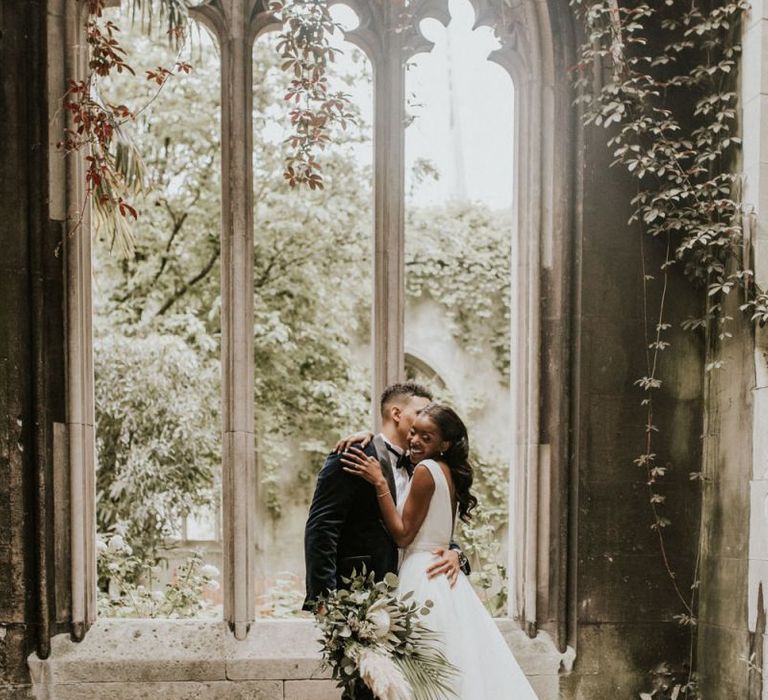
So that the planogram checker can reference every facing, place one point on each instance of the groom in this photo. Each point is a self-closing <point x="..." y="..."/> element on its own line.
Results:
<point x="344" y="531"/>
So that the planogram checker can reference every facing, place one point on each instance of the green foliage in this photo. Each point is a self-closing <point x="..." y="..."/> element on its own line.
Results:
<point x="460" y="255"/>
<point x="157" y="333"/>
<point x="157" y="411"/>
<point x="174" y="266"/>
<point x="127" y="588"/>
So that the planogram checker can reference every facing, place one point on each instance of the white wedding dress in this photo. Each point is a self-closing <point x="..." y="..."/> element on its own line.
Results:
<point x="471" y="640"/>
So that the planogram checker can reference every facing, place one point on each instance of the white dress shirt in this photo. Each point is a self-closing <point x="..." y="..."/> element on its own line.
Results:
<point x="400" y="473"/>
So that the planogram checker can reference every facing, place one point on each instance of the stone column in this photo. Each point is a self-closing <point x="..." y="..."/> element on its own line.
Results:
<point x="389" y="33"/>
<point x="389" y="219"/>
<point x="31" y="350"/>
<point x="754" y="101"/>
<point x="229" y="19"/>
<point x="81" y="409"/>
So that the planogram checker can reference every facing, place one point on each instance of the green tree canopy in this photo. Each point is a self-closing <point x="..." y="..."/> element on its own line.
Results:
<point x="159" y="330"/>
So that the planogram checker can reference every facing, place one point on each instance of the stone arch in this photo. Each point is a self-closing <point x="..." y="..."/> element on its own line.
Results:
<point x="537" y="45"/>
<point x="422" y="367"/>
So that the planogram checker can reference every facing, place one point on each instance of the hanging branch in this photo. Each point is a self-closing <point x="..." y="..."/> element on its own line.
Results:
<point x="305" y="50"/>
<point x="114" y="168"/>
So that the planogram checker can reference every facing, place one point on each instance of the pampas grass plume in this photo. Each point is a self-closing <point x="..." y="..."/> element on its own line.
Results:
<point x="383" y="677"/>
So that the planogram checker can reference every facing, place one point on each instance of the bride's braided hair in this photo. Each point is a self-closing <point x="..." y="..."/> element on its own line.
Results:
<point x="453" y="430"/>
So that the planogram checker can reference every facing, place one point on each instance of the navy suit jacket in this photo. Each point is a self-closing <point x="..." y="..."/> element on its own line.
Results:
<point x="344" y="530"/>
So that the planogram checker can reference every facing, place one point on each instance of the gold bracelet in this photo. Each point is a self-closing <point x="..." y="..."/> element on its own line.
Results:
<point x="383" y="495"/>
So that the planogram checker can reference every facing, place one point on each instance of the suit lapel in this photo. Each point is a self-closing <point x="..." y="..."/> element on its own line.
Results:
<point x="387" y="467"/>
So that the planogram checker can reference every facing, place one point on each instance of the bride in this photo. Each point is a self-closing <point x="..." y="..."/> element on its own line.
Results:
<point x="439" y="489"/>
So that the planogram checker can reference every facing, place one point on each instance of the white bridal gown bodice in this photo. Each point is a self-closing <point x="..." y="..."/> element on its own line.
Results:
<point x="472" y="641"/>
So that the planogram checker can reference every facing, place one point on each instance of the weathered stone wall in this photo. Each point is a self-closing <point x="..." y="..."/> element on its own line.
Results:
<point x="624" y="601"/>
<point x="725" y="643"/>
<point x="25" y="399"/>
<point x="192" y="659"/>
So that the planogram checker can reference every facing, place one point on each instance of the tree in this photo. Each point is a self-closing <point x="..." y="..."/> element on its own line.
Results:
<point x="157" y="409"/>
<point x="460" y="254"/>
<point x="158" y="335"/>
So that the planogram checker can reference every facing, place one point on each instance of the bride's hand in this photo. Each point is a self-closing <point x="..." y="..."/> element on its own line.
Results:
<point x="356" y="462"/>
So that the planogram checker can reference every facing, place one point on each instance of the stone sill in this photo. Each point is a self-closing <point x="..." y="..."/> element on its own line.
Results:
<point x="130" y="652"/>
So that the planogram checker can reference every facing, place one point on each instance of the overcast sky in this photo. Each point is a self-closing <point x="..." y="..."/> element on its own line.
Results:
<point x="482" y="135"/>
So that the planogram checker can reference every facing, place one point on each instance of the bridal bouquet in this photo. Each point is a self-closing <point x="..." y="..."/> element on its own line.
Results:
<point x="374" y="638"/>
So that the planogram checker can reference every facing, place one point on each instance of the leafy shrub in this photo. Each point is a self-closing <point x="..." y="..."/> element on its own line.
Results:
<point x="129" y="583"/>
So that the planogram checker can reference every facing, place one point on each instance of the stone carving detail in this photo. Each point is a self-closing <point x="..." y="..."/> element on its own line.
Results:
<point x="508" y="24"/>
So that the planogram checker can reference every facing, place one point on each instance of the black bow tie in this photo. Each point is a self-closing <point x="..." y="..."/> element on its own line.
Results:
<point x="404" y="461"/>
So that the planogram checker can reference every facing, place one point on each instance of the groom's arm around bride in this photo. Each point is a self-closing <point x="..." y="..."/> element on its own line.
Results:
<point x="343" y="531"/>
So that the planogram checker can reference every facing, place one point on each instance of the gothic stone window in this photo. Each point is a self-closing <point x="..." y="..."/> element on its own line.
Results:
<point x="390" y="35"/>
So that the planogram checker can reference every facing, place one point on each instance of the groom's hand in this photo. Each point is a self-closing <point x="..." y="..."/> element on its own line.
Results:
<point x="362" y="438"/>
<point x="448" y="564"/>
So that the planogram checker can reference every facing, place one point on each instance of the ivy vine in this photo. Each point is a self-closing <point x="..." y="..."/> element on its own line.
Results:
<point x="113" y="166"/>
<point x="661" y="79"/>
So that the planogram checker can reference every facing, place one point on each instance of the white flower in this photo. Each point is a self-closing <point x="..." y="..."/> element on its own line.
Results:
<point x="359" y="597"/>
<point x="367" y="632"/>
<point x="158" y="596"/>
<point x="380" y="620"/>
<point x="212" y="585"/>
<point x="383" y="677"/>
<point x="209" y="570"/>
<point x="116" y="543"/>
<point x="101" y="546"/>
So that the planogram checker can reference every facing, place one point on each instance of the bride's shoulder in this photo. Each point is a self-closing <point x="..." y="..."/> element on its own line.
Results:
<point x="426" y="465"/>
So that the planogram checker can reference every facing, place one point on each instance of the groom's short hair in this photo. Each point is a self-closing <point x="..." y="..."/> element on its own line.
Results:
<point x="397" y="391"/>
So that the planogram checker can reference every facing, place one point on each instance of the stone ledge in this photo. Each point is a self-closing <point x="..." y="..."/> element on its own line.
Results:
<point x="186" y="659"/>
<point x="178" y="690"/>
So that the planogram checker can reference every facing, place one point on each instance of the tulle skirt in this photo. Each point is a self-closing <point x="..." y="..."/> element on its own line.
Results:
<point x="471" y="639"/>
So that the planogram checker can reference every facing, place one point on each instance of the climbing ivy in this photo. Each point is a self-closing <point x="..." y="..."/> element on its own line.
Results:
<point x="460" y="255"/>
<point x="661" y="80"/>
<point x="113" y="172"/>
